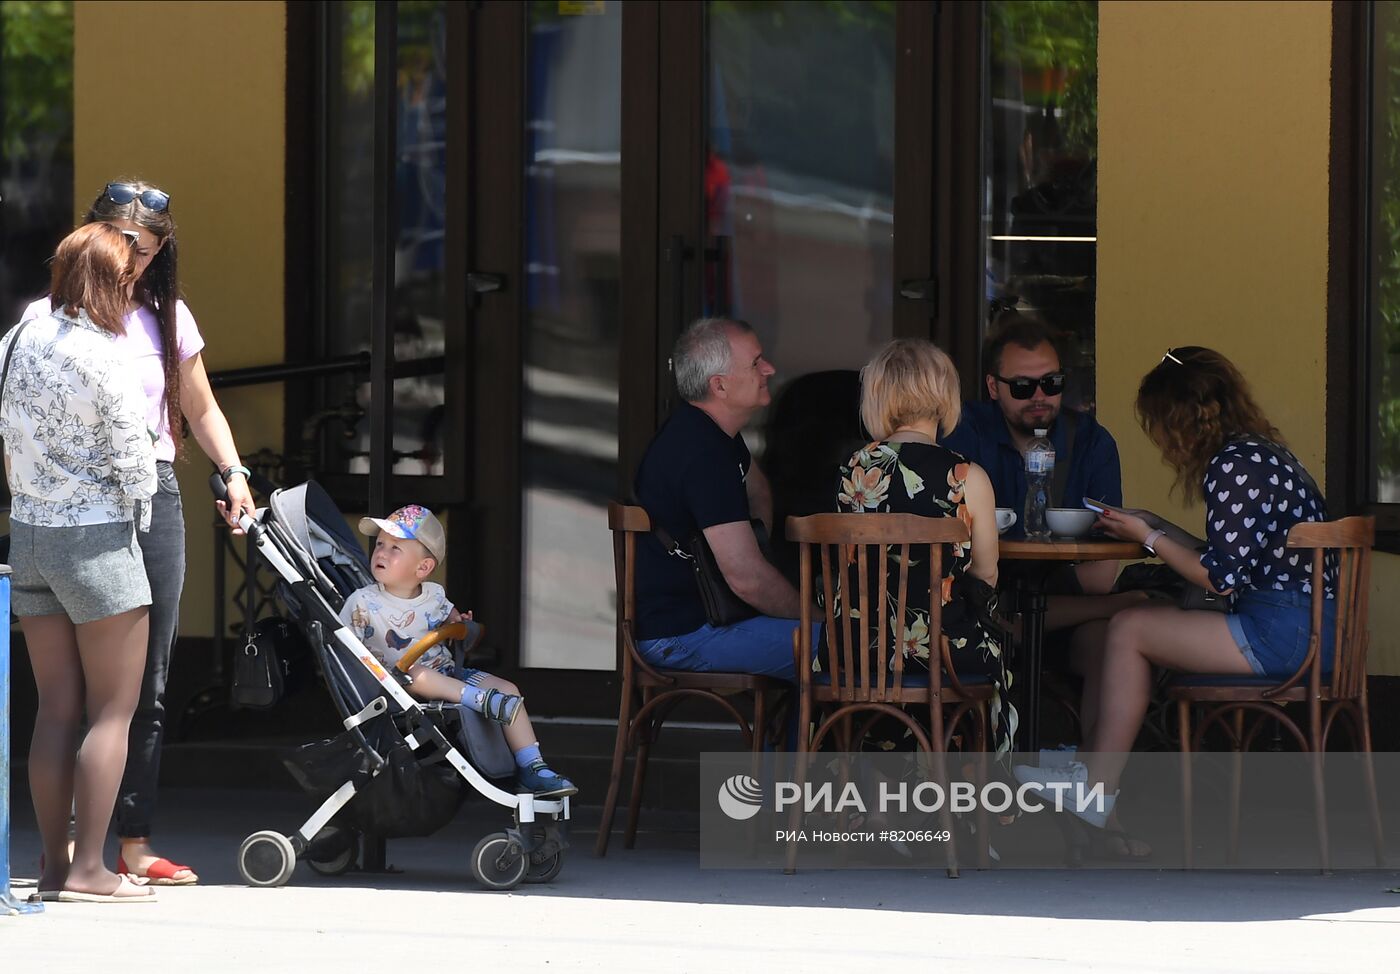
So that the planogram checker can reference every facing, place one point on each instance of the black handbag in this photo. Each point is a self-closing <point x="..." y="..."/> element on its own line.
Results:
<point x="973" y="598"/>
<point x="263" y="667"/>
<point x="722" y="606"/>
<point x="1159" y="580"/>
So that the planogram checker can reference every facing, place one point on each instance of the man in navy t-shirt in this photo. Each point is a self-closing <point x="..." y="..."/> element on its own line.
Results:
<point x="697" y="475"/>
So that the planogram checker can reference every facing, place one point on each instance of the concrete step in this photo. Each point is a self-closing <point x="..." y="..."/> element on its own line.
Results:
<point x="580" y="748"/>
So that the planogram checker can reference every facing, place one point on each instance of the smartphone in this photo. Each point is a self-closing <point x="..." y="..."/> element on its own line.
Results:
<point x="1098" y="507"/>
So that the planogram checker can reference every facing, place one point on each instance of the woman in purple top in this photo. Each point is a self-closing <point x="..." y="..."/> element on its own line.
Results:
<point x="164" y="345"/>
<point x="1198" y="409"/>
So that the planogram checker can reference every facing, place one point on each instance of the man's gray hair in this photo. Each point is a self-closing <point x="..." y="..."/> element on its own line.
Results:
<point x="703" y="351"/>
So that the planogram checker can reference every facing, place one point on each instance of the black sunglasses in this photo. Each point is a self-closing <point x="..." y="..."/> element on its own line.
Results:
<point x="1023" y="388"/>
<point x="123" y="193"/>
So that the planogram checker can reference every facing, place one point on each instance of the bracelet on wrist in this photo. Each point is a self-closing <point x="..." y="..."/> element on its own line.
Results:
<point x="228" y="472"/>
<point x="1152" y="538"/>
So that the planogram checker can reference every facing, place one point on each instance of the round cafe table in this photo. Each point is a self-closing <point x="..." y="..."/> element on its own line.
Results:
<point x="1032" y="603"/>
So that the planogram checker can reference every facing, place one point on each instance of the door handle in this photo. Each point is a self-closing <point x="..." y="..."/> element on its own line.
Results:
<point x="675" y="253"/>
<point x="717" y="256"/>
<point x="919" y="290"/>
<point x="479" y="282"/>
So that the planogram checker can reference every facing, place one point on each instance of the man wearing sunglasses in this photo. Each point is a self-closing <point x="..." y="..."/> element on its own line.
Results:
<point x="1025" y="384"/>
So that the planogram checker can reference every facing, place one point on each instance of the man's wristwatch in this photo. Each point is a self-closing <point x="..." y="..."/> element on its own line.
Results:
<point x="1151" y="539"/>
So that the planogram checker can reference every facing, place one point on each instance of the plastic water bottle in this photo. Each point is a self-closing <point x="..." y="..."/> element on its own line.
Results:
<point x="1040" y="469"/>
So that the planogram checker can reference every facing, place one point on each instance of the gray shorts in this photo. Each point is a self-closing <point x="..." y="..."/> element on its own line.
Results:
<point x="87" y="572"/>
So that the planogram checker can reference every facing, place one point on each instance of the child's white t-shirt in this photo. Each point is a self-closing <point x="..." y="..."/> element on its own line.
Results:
<point x="388" y="625"/>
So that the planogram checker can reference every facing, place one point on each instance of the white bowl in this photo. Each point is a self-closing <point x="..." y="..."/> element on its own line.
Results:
<point x="1070" y="522"/>
<point x="1005" y="518"/>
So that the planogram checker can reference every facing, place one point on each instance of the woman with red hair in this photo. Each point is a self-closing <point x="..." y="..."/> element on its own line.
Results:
<point x="81" y="470"/>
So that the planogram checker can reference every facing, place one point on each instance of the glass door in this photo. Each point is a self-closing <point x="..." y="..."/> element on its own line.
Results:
<point x="633" y="167"/>
<point x="779" y="209"/>
<point x="572" y="277"/>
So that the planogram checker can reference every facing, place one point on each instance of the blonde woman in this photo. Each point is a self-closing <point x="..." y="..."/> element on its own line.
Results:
<point x="909" y="394"/>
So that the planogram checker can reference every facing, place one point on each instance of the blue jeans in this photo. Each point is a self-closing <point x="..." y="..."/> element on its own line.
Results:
<point x="1272" y="629"/>
<point x="761" y="645"/>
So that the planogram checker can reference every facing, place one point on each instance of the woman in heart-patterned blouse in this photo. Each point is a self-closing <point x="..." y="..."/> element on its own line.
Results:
<point x="1255" y="491"/>
<point x="1198" y="410"/>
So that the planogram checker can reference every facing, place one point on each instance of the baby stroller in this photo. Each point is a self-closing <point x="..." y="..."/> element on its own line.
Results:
<point x="401" y="767"/>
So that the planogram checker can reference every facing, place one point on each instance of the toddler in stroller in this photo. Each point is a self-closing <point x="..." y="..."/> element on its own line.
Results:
<point x="402" y="765"/>
<point x="400" y="608"/>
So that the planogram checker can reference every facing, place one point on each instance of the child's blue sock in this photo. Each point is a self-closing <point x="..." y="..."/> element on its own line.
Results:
<point x="528" y="755"/>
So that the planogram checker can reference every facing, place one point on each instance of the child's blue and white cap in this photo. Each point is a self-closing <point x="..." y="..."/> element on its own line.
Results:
<point x="413" y="522"/>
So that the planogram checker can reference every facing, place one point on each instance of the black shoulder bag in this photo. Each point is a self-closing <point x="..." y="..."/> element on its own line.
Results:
<point x="722" y="606"/>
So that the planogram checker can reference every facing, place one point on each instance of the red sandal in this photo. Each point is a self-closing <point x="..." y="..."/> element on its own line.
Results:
<point x="161" y="873"/>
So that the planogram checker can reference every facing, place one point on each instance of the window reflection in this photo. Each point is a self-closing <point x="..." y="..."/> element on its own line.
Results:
<point x="1040" y="159"/>
<point x="572" y="216"/>
<point x="419" y="195"/>
<point x="799" y="181"/>
<point x="36" y="146"/>
<point x="1384" y="350"/>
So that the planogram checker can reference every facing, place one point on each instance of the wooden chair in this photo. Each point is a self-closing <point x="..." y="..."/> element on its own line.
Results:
<point x="1321" y="694"/>
<point x="855" y="676"/>
<point x="650" y="692"/>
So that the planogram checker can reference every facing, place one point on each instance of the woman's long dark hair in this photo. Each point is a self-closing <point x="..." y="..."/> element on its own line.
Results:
<point x="1191" y="405"/>
<point x="158" y="289"/>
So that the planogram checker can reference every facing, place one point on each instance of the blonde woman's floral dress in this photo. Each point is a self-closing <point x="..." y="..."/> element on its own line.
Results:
<point x="926" y="479"/>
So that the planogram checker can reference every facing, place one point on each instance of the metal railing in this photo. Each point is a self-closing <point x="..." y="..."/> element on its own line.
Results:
<point x="255" y="593"/>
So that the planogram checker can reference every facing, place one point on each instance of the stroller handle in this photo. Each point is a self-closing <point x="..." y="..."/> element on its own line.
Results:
<point x="453" y="630"/>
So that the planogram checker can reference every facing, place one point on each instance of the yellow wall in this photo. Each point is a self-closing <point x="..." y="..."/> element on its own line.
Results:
<point x="191" y="96"/>
<point x="1213" y="177"/>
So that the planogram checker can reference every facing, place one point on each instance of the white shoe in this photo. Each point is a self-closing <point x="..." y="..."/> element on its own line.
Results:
<point x="1075" y="796"/>
<point x="1058" y="757"/>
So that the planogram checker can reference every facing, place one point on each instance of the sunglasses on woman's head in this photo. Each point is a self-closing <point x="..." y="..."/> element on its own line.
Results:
<point x="123" y="193"/>
<point x="1023" y="388"/>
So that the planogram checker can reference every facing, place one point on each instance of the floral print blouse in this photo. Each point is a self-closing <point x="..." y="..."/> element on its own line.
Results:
<point x="927" y="479"/>
<point x="73" y="421"/>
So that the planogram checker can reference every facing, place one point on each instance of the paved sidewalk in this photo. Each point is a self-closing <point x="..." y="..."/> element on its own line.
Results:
<point x="653" y="909"/>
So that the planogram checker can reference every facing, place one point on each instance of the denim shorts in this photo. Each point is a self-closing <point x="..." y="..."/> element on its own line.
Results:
<point x="86" y="572"/>
<point x="1272" y="628"/>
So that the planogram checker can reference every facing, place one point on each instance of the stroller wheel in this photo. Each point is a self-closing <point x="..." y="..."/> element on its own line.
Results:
<point x="266" y="859"/>
<point x="543" y="870"/>
<point x="497" y="862"/>
<point x="332" y="852"/>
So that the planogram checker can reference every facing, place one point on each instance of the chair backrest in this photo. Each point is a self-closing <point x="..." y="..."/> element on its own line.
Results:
<point x="627" y="522"/>
<point x="1349" y="542"/>
<point x="862" y="665"/>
